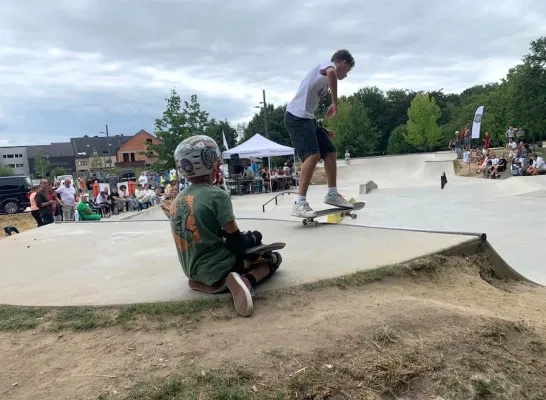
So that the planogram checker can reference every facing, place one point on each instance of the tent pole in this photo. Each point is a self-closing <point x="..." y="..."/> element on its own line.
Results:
<point x="269" y="164"/>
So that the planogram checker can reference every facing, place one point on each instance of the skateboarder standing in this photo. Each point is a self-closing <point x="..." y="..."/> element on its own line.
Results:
<point x="208" y="241"/>
<point x="311" y="141"/>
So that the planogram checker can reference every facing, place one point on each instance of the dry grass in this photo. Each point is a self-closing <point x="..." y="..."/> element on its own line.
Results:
<point x="431" y="328"/>
<point x="22" y="221"/>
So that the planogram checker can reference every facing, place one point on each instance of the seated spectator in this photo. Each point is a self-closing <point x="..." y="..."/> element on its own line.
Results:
<point x="538" y="165"/>
<point x="484" y="165"/>
<point x="132" y="203"/>
<point x="104" y="200"/>
<point x="119" y="203"/>
<point x="498" y="165"/>
<point x="145" y="196"/>
<point x="85" y="212"/>
<point x="170" y="190"/>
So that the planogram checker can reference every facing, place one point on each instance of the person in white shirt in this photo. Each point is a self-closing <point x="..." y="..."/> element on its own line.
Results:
<point x="347" y="156"/>
<point x="539" y="166"/>
<point x="310" y="140"/>
<point x="67" y="194"/>
<point x="142" y="179"/>
<point x="512" y="147"/>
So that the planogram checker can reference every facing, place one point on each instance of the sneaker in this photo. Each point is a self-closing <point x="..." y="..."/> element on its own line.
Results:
<point x="219" y="287"/>
<point x="303" y="210"/>
<point x="337" y="200"/>
<point x="241" y="290"/>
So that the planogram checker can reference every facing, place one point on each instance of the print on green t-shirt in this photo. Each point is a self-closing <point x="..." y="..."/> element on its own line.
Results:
<point x="198" y="214"/>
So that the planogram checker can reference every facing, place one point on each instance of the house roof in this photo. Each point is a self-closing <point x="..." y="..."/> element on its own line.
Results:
<point x="62" y="149"/>
<point x="84" y="146"/>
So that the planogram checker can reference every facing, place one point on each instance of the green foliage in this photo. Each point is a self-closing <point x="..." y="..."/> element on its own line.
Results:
<point x="6" y="171"/>
<point x="176" y="125"/>
<point x="353" y="129"/>
<point x="423" y="131"/>
<point x="275" y="125"/>
<point x="397" y="141"/>
<point x="41" y="164"/>
<point x="57" y="171"/>
<point x="215" y="129"/>
<point x="95" y="161"/>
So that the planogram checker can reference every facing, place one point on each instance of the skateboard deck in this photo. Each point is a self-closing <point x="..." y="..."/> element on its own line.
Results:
<point x="262" y="253"/>
<point x="336" y="214"/>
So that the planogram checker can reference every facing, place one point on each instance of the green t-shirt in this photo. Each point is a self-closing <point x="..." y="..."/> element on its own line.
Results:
<point x="198" y="214"/>
<point x="81" y="207"/>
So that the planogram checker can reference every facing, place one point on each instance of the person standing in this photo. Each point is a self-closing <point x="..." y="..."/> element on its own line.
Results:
<point x="45" y="205"/>
<point x="67" y="194"/>
<point x="310" y="140"/>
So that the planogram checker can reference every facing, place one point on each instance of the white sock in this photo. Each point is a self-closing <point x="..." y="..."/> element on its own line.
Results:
<point x="332" y="190"/>
<point x="301" y="199"/>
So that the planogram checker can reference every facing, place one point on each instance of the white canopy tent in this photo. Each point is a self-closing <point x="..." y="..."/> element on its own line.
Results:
<point x="259" y="146"/>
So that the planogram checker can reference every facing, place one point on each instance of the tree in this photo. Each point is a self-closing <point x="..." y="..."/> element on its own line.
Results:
<point x="275" y="125"/>
<point x="57" y="171"/>
<point x="95" y="161"/>
<point x="423" y="131"/>
<point x="378" y="111"/>
<point x="215" y="129"/>
<point x="41" y="164"/>
<point x="397" y="141"/>
<point x="6" y="171"/>
<point x="175" y="126"/>
<point x="197" y="120"/>
<point x="353" y="129"/>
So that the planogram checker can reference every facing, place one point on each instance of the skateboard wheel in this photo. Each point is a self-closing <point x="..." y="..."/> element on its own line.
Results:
<point x="246" y="264"/>
<point x="315" y="223"/>
<point x="353" y="216"/>
<point x="304" y="222"/>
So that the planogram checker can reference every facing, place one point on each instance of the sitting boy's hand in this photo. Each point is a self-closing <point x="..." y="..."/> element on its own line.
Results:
<point x="258" y="236"/>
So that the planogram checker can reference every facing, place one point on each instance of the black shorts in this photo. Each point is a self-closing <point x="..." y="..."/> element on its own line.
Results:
<point x="307" y="136"/>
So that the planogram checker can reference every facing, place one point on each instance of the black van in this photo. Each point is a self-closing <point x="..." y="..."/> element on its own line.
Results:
<point x="14" y="194"/>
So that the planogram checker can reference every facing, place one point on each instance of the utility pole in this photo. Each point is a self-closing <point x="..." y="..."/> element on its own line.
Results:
<point x="108" y="145"/>
<point x="265" y="115"/>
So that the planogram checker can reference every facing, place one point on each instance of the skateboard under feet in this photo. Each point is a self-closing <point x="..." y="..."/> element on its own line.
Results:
<point x="336" y="214"/>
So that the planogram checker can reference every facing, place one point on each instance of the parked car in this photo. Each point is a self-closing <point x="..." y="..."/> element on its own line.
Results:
<point x="62" y="178"/>
<point x="127" y="175"/>
<point x="14" y="194"/>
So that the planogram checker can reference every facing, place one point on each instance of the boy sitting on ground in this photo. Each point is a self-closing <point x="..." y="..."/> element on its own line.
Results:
<point x="208" y="241"/>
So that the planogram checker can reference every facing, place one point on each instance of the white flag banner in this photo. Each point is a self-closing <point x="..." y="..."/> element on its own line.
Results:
<point x="476" y="124"/>
<point x="224" y="139"/>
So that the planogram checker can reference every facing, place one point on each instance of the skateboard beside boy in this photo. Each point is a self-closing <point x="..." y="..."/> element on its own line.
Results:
<point x="210" y="246"/>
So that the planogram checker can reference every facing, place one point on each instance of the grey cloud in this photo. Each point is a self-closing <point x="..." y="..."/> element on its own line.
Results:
<point x="240" y="47"/>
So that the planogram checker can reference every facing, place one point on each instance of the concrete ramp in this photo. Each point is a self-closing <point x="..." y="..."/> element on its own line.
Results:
<point x="408" y="170"/>
<point x="112" y="263"/>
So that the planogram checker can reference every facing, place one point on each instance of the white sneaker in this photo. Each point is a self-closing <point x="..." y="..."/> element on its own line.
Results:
<point x="337" y="200"/>
<point x="303" y="210"/>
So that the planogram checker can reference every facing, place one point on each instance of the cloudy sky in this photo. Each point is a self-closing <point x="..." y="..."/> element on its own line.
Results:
<point x="68" y="67"/>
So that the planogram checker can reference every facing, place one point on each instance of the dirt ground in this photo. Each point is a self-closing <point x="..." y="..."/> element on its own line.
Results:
<point x="22" y="221"/>
<point x="429" y="329"/>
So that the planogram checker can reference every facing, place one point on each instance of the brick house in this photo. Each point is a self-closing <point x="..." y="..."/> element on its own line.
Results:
<point x="96" y="152"/>
<point x="134" y="152"/>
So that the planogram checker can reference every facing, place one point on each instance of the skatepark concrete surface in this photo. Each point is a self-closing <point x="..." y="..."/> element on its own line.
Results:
<point x="134" y="260"/>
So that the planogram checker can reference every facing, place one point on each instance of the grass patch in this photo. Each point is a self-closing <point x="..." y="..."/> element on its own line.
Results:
<point x="181" y="314"/>
<point x="466" y="364"/>
<point x="230" y="383"/>
<point x="187" y="314"/>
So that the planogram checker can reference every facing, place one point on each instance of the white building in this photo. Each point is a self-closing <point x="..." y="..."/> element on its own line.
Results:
<point x="15" y="157"/>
